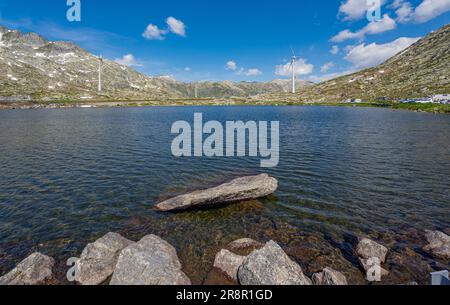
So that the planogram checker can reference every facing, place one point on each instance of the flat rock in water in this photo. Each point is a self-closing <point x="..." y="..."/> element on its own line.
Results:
<point x="271" y="266"/>
<point x="34" y="270"/>
<point x="329" y="277"/>
<point x="439" y="244"/>
<point x="239" y="189"/>
<point x="228" y="263"/>
<point x="151" y="261"/>
<point x="368" y="249"/>
<point x="99" y="259"/>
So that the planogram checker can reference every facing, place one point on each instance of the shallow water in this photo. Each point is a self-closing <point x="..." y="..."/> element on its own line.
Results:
<point x="68" y="176"/>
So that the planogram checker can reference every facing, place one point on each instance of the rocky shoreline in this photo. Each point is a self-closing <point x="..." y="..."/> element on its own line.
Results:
<point x="115" y="260"/>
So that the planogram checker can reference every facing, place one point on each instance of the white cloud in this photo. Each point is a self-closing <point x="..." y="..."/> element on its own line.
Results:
<point x="231" y="65"/>
<point x="301" y="67"/>
<point x="375" y="27"/>
<point x="188" y="69"/>
<point x="152" y="32"/>
<point x="355" y="9"/>
<point x="430" y="9"/>
<point x="334" y="50"/>
<point x="128" y="60"/>
<point x="326" y="67"/>
<point x="403" y="10"/>
<point x="363" y="56"/>
<point x="425" y="11"/>
<point x="176" y="26"/>
<point x="249" y="72"/>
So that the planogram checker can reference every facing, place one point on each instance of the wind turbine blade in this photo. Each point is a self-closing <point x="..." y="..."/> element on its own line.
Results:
<point x="292" y="50"/>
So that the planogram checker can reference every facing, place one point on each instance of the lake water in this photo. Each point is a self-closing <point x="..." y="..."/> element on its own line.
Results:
<point x="68" y="176"/>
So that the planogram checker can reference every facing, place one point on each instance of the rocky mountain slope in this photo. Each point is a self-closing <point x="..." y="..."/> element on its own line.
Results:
<point x="421" y="70"/>
<point x="33" y="67"/>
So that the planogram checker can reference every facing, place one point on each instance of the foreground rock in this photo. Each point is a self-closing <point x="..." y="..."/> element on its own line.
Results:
<point x="34" y="270"/>
<point x="229" y="263"/>
<point x="99" y="259"/>
<point x="239" y="189"/>
<point x="439" y="244"/>
<point x="271" y="266"/>
<point x="151" y="261"/>
<point x="371" y="256"/>
<point x="329" y="277"/>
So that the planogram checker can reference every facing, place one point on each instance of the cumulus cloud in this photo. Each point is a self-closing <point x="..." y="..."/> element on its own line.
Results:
<point x="334" y="50"/>
<point x="403" y="10"/>
<point x="128" y="60"/>
<point x="326" y="67"/>
<point x="301" y="67"/>
<point x="231" y="65"/>
<point x="176" y="26"/>
<point x="364" y="56"/>
<point x="355" y="9"/>
<point x="152" y="32"/>
<point x="430" y="9"/>
<point x="250" y="72"/>
<point x="375" y="27"/>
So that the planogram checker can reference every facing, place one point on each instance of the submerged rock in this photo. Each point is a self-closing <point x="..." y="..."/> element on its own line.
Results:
<point x="99" y="259"/>
<point x="229" y="263"/>
<point x="368" y="248"/>
<point x="239" y="189"/>
<point x="151" y="261"/>
<point x="329" y="277"/>
<point x="439" y="244"/>
<point x="271" y="266"/>
<point x="37" y="269"/>
<point x="245" y="243"/>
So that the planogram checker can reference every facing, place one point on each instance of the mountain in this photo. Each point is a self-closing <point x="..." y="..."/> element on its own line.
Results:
<point x="31" y="67"/>
<point x="421" y="70"/>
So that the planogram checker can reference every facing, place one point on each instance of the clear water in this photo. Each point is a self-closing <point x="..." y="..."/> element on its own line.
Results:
<point x="69" y="176"/>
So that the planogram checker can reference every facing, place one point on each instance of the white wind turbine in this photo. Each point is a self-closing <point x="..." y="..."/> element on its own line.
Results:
<point x="100" y="63"/>
<point x="293" y="61"/>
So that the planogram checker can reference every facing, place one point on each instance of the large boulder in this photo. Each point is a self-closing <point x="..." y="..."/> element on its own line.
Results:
<point x="37" y="269"/>
<point x="240" y="189"/>
<point x="439" y="244"/>
<point x="228" y="263"/>
<point x="368" y="248"/>
<point x="329" y="277"/>
<point x="271" y="266"/>
<point x="151" y="261"/>
<point x="99" y="259"/>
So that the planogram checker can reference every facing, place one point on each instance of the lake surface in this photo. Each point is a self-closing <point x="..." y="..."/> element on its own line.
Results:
<point x="68" y="176"/>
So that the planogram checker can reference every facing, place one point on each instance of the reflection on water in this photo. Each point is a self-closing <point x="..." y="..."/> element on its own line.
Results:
<point x="69" y="176"/>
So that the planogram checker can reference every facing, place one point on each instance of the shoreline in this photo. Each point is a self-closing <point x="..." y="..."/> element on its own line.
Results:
<point x="426" y="108"/>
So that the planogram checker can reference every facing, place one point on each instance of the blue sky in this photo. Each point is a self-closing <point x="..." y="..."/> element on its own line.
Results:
<point x="253" y="37"/>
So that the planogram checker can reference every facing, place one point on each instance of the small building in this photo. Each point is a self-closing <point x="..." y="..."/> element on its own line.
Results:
<point x="441" y="98"/>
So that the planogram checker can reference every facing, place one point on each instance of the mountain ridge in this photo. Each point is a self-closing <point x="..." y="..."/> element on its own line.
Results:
<point x="35" y="67"/>
<point x="421" y="70"/>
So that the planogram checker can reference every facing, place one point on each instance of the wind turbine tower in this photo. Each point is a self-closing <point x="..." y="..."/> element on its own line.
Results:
<point x="100" y="64"/>
<point x="293" y="61"/>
